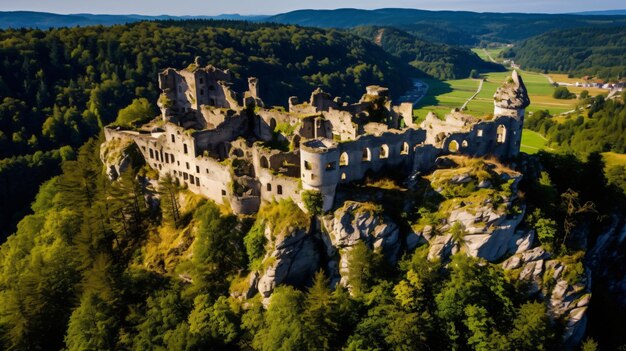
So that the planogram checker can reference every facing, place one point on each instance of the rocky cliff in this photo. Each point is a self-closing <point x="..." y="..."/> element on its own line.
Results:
<point x="466" y="206"/>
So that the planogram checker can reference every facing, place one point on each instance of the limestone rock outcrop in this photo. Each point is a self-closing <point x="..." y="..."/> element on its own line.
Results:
<point x="356" y="222"/>
<point x="117" y="155"/>
<point x="565" y="286"/>
<point x="481" y="210"/>
<point x="293" y="259"/>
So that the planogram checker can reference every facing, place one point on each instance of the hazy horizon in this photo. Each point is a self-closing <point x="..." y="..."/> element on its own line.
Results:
<point x="251" y="7"/>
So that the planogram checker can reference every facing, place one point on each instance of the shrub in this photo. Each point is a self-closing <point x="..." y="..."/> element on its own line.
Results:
<point x="255" y="243"/>
<point x="313" y="201"/>
<point x="563" y="93"/>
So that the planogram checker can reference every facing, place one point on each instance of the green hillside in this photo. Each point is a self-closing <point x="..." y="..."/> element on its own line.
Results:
<point x="585" y="51"/>
<point x="438" y="60"/>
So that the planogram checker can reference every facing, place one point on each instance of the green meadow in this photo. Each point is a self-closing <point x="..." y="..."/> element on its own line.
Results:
<point x="533" y="142"/>
<point x="445" y="95"/>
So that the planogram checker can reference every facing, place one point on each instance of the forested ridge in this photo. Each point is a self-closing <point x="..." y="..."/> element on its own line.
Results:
<point x="451" y="27"/>
<point x="439" y="60"/>
<point x="83" y="272"/>
<point x="59" y="87"/>
<point x="599" y="52"/>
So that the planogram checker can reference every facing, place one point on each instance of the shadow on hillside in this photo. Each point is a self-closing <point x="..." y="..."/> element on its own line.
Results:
<point x="435" y="89"/>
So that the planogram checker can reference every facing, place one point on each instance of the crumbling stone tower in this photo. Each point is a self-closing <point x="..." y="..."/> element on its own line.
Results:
<point x="320" y="171"/>
<point x="511" y="100"/>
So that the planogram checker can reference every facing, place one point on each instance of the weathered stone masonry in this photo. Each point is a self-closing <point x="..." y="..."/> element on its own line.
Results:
<point x="231" y="149"/>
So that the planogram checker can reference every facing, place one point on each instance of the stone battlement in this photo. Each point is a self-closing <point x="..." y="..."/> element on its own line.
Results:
<point x="231" y="149"/>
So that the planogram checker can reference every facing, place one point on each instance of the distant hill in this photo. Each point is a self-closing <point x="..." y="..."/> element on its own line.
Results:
<point x="44" y="20"/>
<point x="452" y="27"/>
<point x="584" y="51"/>
<point x="603" y="13"/>
<point x="441" y="61"/>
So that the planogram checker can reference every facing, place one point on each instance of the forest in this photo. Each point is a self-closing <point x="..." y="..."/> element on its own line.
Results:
<point x="602" y="129"/>
<point x="83" y="272"/>
<point x="599" y="52"/>
<point x="462" y="28"/>
<point x="438" y="60"/>
<point x="58" y="87"/>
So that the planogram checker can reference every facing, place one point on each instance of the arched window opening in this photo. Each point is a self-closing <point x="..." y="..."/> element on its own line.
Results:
<point x="307" y="165"/>
<point x="464" y="144"/>
<point x="279" y="190"/>
<point x="405" y="148"/>
<point x="343" y="176"/>
<point x="384" y="151"/>
<point x="367" y="154"/>
<point x="344" y="160"/>
<point x="272" y="124"/>
<point x="269" y="187"/>
<point x="264" y="162"/>
<point x="453" y="146"/>
<point x="501" y="134"/>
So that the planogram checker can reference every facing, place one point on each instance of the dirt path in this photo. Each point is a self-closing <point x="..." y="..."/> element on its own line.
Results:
<point x="489" y="55"/>
<point x="480" y="87"/>
<point x="548" y="78"/>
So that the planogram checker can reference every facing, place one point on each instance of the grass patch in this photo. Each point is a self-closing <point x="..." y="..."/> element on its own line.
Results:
<point x="282" y="216"/>
<point x="614" y="159"/>
<point x="533" y="142"/>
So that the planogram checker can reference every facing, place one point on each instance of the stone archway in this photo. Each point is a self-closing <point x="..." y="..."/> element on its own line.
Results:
<point x="264" y="162"/>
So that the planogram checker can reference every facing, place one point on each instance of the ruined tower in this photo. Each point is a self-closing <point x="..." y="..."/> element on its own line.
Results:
<point x="320" y="170"/>
<point x="511" y="100"/>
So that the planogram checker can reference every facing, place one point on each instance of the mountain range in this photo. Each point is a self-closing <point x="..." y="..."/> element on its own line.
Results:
<point x="450" y="27"/>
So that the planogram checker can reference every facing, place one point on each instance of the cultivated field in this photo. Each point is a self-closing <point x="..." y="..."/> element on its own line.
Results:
<point x="446" y="95"/>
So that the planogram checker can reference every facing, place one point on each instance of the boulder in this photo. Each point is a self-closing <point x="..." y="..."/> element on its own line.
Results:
<point x="490" y="234"/>
<point x="118" y="154"/>
<point x="294" y="260"/>
<point x="355" y="222"/>
<point x="442" y="247"/>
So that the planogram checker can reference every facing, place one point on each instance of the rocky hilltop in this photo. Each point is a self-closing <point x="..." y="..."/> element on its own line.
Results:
<point x="465" y="206"/>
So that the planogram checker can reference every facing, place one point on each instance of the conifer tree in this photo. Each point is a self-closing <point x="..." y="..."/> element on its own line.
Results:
<point x="170" y="208"/>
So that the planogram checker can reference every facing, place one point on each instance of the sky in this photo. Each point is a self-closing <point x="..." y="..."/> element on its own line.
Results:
<point x="268" y="7"/>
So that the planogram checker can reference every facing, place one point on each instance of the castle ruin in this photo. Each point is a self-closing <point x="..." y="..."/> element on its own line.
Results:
<point x="232" y="149"/>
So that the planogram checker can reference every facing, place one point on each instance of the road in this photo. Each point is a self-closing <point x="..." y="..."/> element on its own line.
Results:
<point x="489" y="55"/>
<point x="480" y="87"/>
<point x="548" y="78"/>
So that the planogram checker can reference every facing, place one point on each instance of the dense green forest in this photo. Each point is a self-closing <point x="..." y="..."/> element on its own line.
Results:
<point x="591" y="51"/>
<point x="451" y="27"/>
<point x="59" y="86"/>
<point x="76" y="275"/>
<point x="438" y="60"/>
<point x="602" y="129"/>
